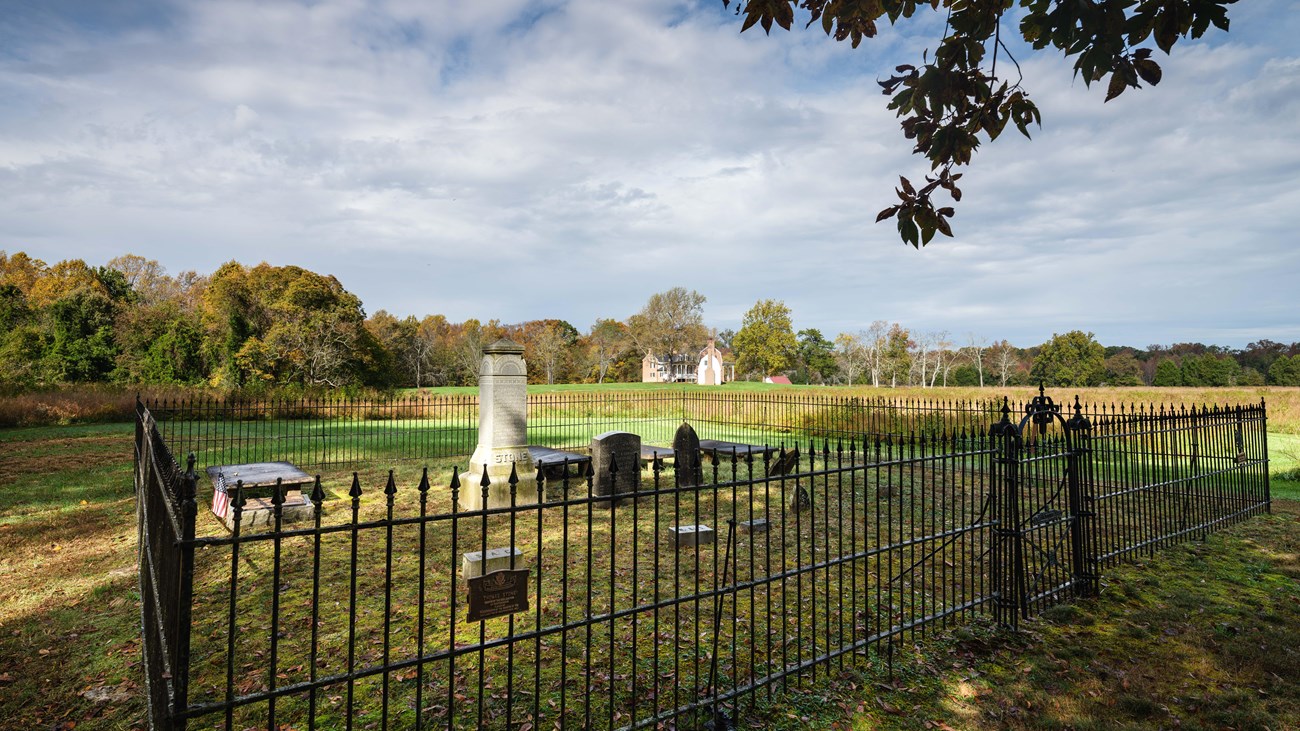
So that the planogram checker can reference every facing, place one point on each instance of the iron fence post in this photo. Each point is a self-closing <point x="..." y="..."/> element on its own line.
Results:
<point x="1078" y="433"/>
<point x="185" y="596"/>
<point x="1007" y="561"/>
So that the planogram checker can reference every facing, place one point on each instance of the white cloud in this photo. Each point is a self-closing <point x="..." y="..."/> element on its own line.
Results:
<point x="566" y="159"/>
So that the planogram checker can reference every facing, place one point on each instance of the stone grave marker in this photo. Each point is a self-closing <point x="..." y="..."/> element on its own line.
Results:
<point x="757" y="525"/>
<point x="502" y="431"/>
<point x="800" y="499"/>
<point x="690" y="535"/>
<point x="474" y="563"/>
<point x="786" y="463"/>
<point x="623" y="450"/>
<point x="686" y="457"/>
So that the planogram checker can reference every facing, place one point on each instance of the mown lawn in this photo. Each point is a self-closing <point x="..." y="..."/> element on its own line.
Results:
<point x="1199" y="636"/>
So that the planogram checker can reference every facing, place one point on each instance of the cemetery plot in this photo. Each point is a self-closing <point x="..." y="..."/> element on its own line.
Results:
<point x="615" y="609"/>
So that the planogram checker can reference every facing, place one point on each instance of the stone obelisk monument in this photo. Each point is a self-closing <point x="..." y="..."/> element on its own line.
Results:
<point x="502" y="431"/>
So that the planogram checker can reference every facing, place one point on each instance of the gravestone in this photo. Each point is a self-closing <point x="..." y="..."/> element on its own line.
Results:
<point x="785" y="464"/>
<point x="686" y="457"/>
<point x="623" y="450"/>
<point x="683" y="536"/>
<point x="757" y="525"/>
<point x="800" y="500"/>
<point x="502" y="431"/>
<point x="474" y="563"/>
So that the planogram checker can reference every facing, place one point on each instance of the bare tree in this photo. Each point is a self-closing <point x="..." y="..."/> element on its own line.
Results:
<point x="319" y="351"/>
<point x="975" y="350"/>
<point x="548" y="346"/>
<point x="1005" y="360"/>
<point x="875" y="338"/>
<point x="671" y="322"/>
<point x="852" y="354"/>
<point x="922" y="346"/>
<point x="607" y="339"/>
<point x="945" y="358"/>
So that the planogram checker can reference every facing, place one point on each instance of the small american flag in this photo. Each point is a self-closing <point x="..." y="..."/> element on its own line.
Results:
<point x="220" y="498"/>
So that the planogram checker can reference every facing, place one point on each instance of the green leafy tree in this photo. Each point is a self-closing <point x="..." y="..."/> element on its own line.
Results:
<point x="1285" y="371"/>
<point x="1210" y="370"/>
<point x="1072" y="359"/>
<point x="966" y="375"/>
<point x="161" y="342"/>
<point x="959" y="97"/>
<point x="1251" y="377"/>
<point x="1123" y="369"/>
<point x="21" y="344"/>
<point x="1167" y="374"/>
<point x="765" y="343"/>
<point x="816" y="357"/>
<point x="286" y="325"/>
<point x="81" y="346"/>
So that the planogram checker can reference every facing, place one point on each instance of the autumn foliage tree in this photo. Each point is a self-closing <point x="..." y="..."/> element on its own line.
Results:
<point x="765" y="343"/>
<point x="968" y="89"/>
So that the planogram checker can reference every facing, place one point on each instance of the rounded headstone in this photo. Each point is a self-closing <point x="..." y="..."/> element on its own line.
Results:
<point x="686" y="457"/>
<point x="623" y="451"/>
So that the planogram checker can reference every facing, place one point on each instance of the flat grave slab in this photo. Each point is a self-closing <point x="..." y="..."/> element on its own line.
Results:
<point x="651" y="453"/>
<point x="719" y="449"/>
<point x="258" y="481"/>
<point x="557" y="463"/>
<point x="690" y="535"/>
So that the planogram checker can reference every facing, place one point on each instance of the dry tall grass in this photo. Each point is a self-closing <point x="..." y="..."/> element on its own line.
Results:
<point x="79" y="404"/>
<point x="94" y="403"/>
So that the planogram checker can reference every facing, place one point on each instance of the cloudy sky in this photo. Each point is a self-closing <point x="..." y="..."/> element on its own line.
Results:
<point x="523" y="159"/>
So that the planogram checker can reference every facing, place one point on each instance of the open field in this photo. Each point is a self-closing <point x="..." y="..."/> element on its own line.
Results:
<point x="99" y="404"/>
<point x="69" y="626"/>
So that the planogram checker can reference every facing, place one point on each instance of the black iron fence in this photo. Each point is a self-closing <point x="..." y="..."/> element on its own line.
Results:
<point x="324" y="433"/>
<point x="615" y="617"/>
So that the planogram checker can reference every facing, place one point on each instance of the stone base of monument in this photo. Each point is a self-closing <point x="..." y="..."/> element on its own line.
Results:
<point x="758" y="525"/>
<point x="475" y="563"/>
<point x="499" y="463"/>
<point x="683" y="536"/>
<point x="259" y="513"/>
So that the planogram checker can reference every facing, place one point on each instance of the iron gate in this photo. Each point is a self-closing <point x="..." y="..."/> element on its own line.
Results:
<point x="1043" y="545"/>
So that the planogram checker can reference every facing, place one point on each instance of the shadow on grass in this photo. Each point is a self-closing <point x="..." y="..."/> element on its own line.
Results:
<point x="1199" y="636"/>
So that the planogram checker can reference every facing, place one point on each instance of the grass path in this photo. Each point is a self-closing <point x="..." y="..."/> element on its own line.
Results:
<point x="1201" y="636"/>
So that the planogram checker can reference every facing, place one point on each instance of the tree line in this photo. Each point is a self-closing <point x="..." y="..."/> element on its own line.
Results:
<point x="262" y="327"/>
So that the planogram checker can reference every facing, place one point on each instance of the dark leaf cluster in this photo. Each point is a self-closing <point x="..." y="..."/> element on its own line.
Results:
<point x="948" y="104"/>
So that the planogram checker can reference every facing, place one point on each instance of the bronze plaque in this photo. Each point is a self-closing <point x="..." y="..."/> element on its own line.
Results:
<point x="498" y="594"/>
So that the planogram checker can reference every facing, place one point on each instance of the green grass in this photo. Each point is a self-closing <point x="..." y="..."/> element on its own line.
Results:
<point x="1200" y="636"/>
<point x="69" y="619"/>
<point x="1284" y="465"/>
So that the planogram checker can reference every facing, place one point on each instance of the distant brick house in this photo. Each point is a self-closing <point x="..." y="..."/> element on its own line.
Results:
<point x="708" y="369"/>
